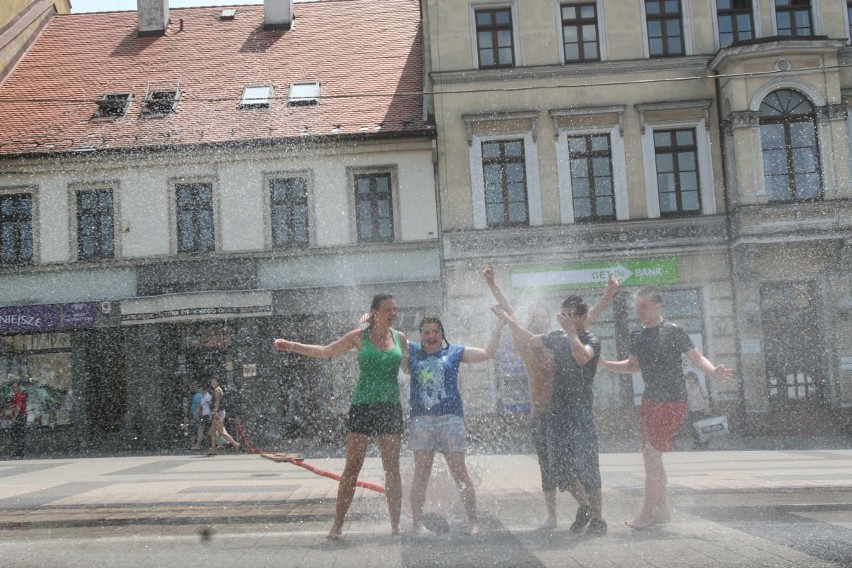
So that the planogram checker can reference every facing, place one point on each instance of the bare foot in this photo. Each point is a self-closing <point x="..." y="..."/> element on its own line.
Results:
<point x="396" y="531"/>
<point x="548" y="524"/>
<point x="640" y="523"/>
<point x="473" y="528"/>
<point x="662" y="517"/>
<point x="417" y="528"/>
<point x="334" y="535"/>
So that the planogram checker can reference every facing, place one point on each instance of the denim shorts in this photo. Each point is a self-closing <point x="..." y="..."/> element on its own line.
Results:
<point x="443" y="433"/>
<point x="375" y="419"/>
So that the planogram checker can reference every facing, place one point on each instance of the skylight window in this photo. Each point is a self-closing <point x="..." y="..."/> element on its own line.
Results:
<point x="160" y="102"/>
<point x="256" y="97"/>
<point x="228" y="14"/>
<point x="304" y="94"/>
<point x="113" y="105"/>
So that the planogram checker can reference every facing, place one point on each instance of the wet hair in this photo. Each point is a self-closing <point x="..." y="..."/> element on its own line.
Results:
<point x="652" y="293"/>
<point x="576" y="304"/>
<point x="437" y="321"/>
<point x="377" y="303"/>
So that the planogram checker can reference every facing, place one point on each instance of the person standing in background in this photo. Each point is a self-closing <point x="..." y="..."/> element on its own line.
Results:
<point x="19" y="419"/>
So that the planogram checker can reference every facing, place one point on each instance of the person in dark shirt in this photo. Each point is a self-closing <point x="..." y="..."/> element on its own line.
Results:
<point x="656" y="351"/>
<point x="572" y="442"/>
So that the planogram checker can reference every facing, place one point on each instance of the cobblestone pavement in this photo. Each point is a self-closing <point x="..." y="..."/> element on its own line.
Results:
<point x="731" y="508"/>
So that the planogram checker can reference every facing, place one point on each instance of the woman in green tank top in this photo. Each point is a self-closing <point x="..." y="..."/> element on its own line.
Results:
<point x="375" y="408"/>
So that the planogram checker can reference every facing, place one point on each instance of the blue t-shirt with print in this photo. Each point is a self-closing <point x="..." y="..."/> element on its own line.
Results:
<point x="435" y="380"/>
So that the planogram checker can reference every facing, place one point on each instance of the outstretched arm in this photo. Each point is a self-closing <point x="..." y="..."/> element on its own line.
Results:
<point x="488" y="274"/>
<point x="351" y="340"/>
<point x="626" y="367"/>
<point x="477" y="355"/>
<point x="718" y="372"/>
<point x="611" y="289"/>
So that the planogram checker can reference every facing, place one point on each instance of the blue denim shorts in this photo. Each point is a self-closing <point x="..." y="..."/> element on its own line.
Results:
<point x="443" y="433"/>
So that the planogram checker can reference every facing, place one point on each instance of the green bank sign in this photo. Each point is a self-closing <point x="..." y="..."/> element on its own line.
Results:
<point x="594" y="275"/>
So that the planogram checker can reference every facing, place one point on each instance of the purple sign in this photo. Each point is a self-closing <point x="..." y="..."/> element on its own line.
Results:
<point x="78" y="315"/>
<point x="46" y="318"/>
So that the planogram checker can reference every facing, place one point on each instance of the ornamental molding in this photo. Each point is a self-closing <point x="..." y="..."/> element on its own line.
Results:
<point x="568" y="70"/>
<point x="557" y="113"/>
<point x="744" y="119"/>
<point x="703" y="104"/>
<point x="574" y="240"/>
<point x="832" y="112"/>
<point x="471" y="119"/>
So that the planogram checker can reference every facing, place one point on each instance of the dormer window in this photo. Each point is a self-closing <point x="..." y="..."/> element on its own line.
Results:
<point x="304" y="94"/>
<point x="160" y="102"/>
<point x="113" y="105"/>
<point x="256" y="97"/>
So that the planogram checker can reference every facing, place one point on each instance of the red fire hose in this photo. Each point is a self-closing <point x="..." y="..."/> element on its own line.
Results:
<point x="298" y="461"/>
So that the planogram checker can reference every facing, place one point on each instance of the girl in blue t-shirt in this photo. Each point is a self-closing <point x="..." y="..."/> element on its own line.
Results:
<point x="437" y="422"/>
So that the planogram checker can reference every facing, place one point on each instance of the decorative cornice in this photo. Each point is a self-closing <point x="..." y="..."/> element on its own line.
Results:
<point x="471" y="119"/>
<point x="569" y="70"/>
<point x="703" y="104"/>
<point x="744" y="119"/>
<point x="832" y="112"/>
<point x="617" y="110"/>
<point x="695" y="233"/>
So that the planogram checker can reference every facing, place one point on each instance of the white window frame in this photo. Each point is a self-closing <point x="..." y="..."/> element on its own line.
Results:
<point x="815" y="17"/>
<point x="73" y="190"/>
<point x="705" y="164"/>
<point x="685" y="26"/>
<point x="351" y="172"/>
<point x="33" y="191"/>
<point x="619" y="170"/>
<point x="516" y="36"/>
<point x="755" y="16"/>
<point x="217" y="208"/>
<point x="477" y="177"/>
<point x="599" y="6"/>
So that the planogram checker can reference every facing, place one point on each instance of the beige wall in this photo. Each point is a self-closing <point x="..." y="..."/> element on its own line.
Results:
<point x="16" y="37"/>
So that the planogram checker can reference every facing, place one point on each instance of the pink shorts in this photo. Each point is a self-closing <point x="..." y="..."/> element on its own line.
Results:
<point x="659" y="422"/>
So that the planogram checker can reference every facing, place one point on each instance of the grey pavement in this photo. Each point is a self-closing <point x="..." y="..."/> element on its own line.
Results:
<point x="788" y="508"/>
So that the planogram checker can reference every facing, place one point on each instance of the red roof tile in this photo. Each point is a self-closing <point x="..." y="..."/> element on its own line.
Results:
<point x="367" y="55"/>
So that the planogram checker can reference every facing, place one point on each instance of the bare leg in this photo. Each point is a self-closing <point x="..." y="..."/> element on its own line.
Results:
<point x="422" y="471"/>
<point x="356" y="449"/>
<point x="389" y="445"/>
<point x="550" y="503"/>
<point x="458" y="469"/>
<point x="228" y="437"/>
<point x="214" y="429"/>
<point x="655" y="509"/>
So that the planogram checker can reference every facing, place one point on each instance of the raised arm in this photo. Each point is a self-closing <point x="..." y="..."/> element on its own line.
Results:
<point x="502" y="301"/>
<point x="718" y="372"/>
<point x="520" y="333"/>
<point x="351" y="340"/>
<point x="477" y="355"/>
<point x="611" y="289"/>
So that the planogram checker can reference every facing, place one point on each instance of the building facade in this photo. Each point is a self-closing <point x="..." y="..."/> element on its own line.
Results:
<point x="200" y="182"/>
<point x="700" y="146"/>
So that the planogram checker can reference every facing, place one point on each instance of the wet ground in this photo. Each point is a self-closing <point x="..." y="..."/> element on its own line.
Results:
<point x="789" y="508"/>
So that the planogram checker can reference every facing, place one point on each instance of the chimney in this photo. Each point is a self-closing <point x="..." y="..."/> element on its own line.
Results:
<point x="278" y="14"/>
<point x="153" y="17"/>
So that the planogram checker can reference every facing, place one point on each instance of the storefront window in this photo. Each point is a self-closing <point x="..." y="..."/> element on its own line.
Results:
<point x="42" y="364"/>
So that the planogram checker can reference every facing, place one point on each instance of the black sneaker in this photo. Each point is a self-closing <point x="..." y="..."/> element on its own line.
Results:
<point x="581" y="520"/>
<point x="597" y="527"/>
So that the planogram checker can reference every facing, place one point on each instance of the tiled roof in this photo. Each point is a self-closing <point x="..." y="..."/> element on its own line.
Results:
<point x="367" y="55"/>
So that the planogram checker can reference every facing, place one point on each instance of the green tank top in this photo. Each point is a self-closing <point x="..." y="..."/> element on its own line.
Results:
<point x="377" y="381"/>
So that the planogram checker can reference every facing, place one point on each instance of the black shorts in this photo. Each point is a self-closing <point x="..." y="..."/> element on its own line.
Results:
<point x="375" y="419"/>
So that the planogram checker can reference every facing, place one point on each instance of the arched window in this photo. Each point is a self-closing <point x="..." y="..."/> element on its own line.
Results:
<point x="788" y="139"/>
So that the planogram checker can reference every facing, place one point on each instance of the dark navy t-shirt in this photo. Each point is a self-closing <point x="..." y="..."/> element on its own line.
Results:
<point x="572" y="384"/>
<point x="658" y="350"/>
